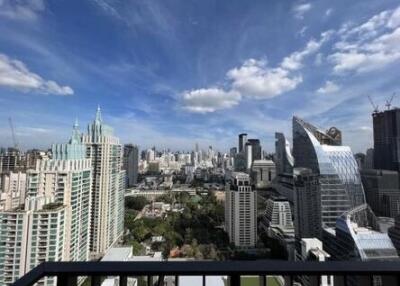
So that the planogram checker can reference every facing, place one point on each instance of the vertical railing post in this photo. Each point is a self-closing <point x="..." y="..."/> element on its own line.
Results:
<point x="234" y="280"/>
<point x="123" y="280"/>
<point x="95" y="281"/>
<point x="263" y="280"/>
<point x="67" y="280"/>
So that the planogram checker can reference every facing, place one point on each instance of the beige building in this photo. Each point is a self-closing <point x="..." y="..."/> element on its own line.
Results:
<point x="241" y="210"/>
<point x="12" y="189"/>
<point x="108" y="186"/>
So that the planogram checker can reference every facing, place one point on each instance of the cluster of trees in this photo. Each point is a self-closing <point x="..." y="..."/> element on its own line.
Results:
<point x="195" y="231"/>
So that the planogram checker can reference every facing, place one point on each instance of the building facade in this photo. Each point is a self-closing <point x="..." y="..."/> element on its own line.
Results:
<point x="387" y="139"/>
<point x="241" y="210"/>
<point x="131" y="164"/>
<point x="12" y="189"/>
<point x="108" y="185"/>
<point x="340" y="184"/>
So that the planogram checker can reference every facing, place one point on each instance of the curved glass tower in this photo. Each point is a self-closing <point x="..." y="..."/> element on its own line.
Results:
<point x="339" y="179"/>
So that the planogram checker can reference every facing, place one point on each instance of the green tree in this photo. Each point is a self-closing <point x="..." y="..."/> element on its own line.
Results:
<point x="137" y="248"/>
<point x="136" y="203"/>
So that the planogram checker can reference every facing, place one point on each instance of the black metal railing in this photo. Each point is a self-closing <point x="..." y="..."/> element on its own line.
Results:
<point x="365" y="273"/>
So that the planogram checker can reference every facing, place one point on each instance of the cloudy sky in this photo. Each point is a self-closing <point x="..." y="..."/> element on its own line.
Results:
<point x="170" y="73"/>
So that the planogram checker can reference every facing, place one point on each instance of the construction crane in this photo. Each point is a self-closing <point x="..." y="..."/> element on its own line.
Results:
<point x="389" y="102"/>
<point x="14" y="138"/>
<point x="375" y="106"/>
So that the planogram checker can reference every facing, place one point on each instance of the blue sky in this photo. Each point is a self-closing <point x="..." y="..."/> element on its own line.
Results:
<point x="170" y="73"/>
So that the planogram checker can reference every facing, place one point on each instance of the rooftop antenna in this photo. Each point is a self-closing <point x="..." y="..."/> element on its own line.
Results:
<point x="375" y="106"/>
<point x="389" y="102"/>
<point x="14" y="138"/>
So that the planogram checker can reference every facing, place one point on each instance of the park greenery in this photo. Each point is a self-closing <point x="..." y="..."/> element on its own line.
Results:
<point x="196" y="232"/>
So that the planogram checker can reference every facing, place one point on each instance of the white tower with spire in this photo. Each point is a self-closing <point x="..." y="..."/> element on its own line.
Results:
<point x="108" y="186"/>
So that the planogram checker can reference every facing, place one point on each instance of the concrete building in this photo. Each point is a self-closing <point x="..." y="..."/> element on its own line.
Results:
<point x="12" y="189"/>
<point x="312" y="250"/>
<point x="131" y="164"/>
<point x="307" y="208"/>
<point x="241" y="210"/>
<point x="387" y="139"/>
<point x="277" y="223"/>
<point x="263" y="173"/>
<point x="382" y="191"/>
<point x="11" y="159"/>
<point x="108" y="185"/>
<point x="30" y="236"/>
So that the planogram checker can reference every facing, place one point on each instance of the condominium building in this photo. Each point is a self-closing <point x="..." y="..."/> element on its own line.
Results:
<point x="241" y="210"/>
<point x="108" y="185"/>
<point x="30" y="236"/>
<point x="131" y="163"/>
<point x="12" y="189"/>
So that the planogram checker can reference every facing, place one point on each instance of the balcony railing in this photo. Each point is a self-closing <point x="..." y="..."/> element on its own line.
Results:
<point x="365" y="272"/>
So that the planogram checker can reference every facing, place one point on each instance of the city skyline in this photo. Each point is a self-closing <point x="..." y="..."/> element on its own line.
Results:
<point x="56" y="66"/>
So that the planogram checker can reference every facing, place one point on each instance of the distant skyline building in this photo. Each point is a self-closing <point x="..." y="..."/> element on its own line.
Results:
<point x="338" y="175"/>
<point x="131" y="163"/>
<point x="11" y="159"/>
<point x="241" y="210"/>
<point x="283" y="155"/>
<point x="386" y="126"/>
<point x="242" y="142"/>
<point x="108" y="185"/>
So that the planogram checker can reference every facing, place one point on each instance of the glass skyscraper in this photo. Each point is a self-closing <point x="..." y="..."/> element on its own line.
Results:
<point x="335" y="165"/>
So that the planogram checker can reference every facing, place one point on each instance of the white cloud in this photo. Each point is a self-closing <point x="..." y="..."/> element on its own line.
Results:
<point x="210" y="99"/>
<point x="300" y="9"/>
<point x="302" y="32"/>
<point x="328" y="12"/>
<point x="329" y="87"/>
<point x="369" y="46"/>
<point x="255" y="79"/>
<point x="14" y="74"/>
<point x="294" y="61"/>
<point x="21" y="10"/>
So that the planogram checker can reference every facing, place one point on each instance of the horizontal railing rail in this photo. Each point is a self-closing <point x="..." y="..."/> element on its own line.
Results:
<point x="67" y="272"/>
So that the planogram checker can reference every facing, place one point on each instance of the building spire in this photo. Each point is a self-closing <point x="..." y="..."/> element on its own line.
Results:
<point x="76" y="135"/>
<point x="98" y="114"/>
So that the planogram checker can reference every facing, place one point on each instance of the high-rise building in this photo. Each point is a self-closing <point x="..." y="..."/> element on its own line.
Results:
<point x="108" y="185"/>
<point x="12" y="189"/>
<point x="256" y="153"/>
<point x="131" y="163"/>
<point x="307" y="208"/>
<point x="241" y="210"/>
<point x="67" y="178"/>
<point x="54" y="222"/>
<point x="338" y="175"/>
<point x="382" y="191"/>
<point x="11" y="159"/>
<point x="242" y="142"/>
<point x="387" y="139"/>
<point x="32" y="235"/>
<point x="369" y="159"/>
<point x="283" y="155"/>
